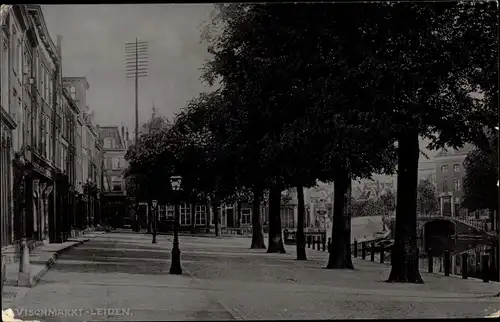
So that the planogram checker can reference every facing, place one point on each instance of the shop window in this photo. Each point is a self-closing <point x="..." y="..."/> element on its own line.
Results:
<point x="246" y="216"/>
<point x="200" y="215"/>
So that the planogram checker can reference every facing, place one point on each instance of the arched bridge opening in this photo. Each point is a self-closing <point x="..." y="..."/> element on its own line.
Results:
<point x="439" y="236"/>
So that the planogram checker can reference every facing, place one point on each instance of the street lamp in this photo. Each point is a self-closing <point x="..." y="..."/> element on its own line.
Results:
<point x="175" y="266"/>
<point x="153" y="209"/>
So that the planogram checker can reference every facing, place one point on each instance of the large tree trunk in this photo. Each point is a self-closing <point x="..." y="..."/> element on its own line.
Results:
<point x="275" y="243"/>
<point x="215" y="210"/>
<point x="404" y="257"/>
<point x="300" y="237"/>
<point x="257" y="233"/>
<point x="340" y="251"/>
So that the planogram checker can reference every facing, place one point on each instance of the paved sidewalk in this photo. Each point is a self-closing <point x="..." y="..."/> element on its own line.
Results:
<point x="41" y="259"/>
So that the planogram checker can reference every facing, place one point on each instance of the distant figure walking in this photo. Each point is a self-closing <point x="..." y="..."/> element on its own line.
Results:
<point x="330" y="245"/>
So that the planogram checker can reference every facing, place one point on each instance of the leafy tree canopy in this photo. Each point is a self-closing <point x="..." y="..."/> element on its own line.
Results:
<point x="278" y="83"/>
<point x="480" y="182"/>
<point x="426" y="197"/>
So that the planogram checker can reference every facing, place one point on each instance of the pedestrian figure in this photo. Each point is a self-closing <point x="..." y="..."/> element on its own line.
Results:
<point x="330" y="245"/>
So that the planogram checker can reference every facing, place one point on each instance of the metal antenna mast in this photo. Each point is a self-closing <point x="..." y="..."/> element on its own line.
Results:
<point x="136" y="55"/>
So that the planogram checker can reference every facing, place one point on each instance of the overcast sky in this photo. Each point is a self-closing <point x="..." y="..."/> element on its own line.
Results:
<point x="93" y="46"/>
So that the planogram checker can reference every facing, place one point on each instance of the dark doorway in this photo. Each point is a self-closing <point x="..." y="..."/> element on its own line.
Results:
<point x="230" y="217"/>
<point x="446" y="206"/>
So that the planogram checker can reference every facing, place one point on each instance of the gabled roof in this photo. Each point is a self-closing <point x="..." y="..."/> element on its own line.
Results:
<point x="111" y="132"/>
<point x="77" y="79"/>
<point x="36" y="12"/>
<point x="450" y="152"/>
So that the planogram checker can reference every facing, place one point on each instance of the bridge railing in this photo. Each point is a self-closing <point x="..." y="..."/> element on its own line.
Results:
<point x="480" y="261"/>
<point x="482" y="224"/>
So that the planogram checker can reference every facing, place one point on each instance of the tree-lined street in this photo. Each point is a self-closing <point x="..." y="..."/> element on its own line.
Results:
<point x="296" y="95"/>
<point x="224" y="280"/>
<point x="326" y="95"/>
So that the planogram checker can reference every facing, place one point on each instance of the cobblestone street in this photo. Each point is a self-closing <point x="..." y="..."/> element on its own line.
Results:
<point x="223" y="279"/>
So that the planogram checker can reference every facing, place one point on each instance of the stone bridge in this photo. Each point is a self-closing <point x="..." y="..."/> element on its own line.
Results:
<point x="461" y="228"/>
<point x="454" y="226"/>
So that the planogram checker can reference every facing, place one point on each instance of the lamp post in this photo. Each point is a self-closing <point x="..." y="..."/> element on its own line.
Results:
<point x="175" y="266"/>
<point x="153" y="209"/>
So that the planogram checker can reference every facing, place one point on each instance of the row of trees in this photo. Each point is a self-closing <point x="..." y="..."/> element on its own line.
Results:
<point x="329" y="92"/>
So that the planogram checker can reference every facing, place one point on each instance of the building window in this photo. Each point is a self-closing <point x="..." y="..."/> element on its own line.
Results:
<point x="49" y="91"/>
<point x="246" y="216"/>
<point x="27" y="69"/>
<point x="456" y="168"/>
<point x="109" y="143"/>
<point x="41" y="133"/>
<point x="170" y="212"/>
<point x="60" y="154"/>
<point x="287" y="217"/>
<point x="35" y="69"/>
<point x="115" y="163"/>
<point x="116" y="183"/>
<point x="72" y="91"/>
<point x="19" y="65"/>
<point x="15" y="49"/>
<point x="456" y="185"/>
<point x="444" y="168"/>
<point x="46" y="86"/>
<point x="48" y="137"/>
<point x="161" y="212"/>
<point x="200" y="215"/>
<point x="27" y="125"/>
<point x="5" y="75"/>
<point x="39" y="76"/>
<point x="185" y="215"/>
<point x="445" y="185"/>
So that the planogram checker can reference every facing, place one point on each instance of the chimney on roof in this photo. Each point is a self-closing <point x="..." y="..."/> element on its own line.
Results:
<point x="126" y="135"/>
<point x="123" y="132"/>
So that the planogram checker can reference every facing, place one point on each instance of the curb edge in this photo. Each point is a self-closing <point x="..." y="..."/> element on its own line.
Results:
<point x="52" y="260"/>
